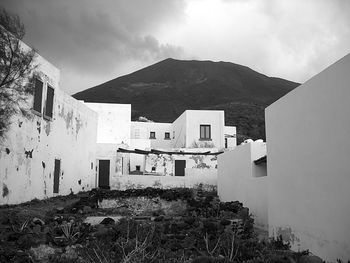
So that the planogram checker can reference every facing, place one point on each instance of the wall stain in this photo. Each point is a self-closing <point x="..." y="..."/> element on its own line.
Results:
<point x="5" y="190"/>
<point x="38" y="126"/>
<point x="29" y="154"/>
<point x="198" y="159"/>
<point x="7" y="150"/>
<point x="78" y="125"/>
<point x="20" y="123"/>
<point x="43" y="164"/>
<point x="79" y="181"/>
<point x="47" y="128"/>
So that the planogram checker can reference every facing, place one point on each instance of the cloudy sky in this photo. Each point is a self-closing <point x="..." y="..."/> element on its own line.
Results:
<point x="93" y="41"/>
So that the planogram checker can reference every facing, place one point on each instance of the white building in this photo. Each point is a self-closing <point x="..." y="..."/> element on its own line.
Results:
<point x="194" y="131"/>
<point x="308" y="150"/>
<point x="52" y="152"/>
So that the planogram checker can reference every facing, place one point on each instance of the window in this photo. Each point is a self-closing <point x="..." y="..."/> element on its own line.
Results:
<point x="167" y="136"/>
<point x="205" y="132"/>
<point x="38" y="94"/>
<point x="49" y="101"/>
<point x="138" y="167"/>
<point x="152" y="135"/>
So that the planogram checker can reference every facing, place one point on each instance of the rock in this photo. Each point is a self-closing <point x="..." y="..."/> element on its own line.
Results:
<point x="107" y="221"/>
<point x="87" y="209"/>
<point x="60" y="210"/>
<point x="42" y="253"/>
<point x="38" y="221"/>
<point x="309" y="259"/>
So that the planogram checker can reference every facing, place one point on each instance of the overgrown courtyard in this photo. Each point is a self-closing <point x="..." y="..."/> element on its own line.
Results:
<point x="148" y="225"/>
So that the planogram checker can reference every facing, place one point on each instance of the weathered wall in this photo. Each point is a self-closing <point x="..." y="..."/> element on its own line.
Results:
<point x="114" y="121"/>
<point x="29" y="149"/>
<point x="141" y="130"/>
<point x="240" y="179"/>
<point x="194" y="118"/>
<point x="165" y="164"/>
<point x="308" y="164"/>
<point x="142" y="181"/>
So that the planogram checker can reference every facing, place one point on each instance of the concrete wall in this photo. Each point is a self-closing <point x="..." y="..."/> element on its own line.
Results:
<point x="308" y="164"/>
<point x="29" y="149"/>
<point x="114" y="121"/>
<point x="240" y="179"/>
<point x="194" y="118"/>
<point x="141" y="130"/>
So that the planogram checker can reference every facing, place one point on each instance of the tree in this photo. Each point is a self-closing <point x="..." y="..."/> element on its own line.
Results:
<point x="16" y="67"/>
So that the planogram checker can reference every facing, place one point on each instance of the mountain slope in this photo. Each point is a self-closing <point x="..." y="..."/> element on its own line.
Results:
<point x="161" y="92"/>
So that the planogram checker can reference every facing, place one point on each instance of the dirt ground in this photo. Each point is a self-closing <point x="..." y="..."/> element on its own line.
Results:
<point x="136" y="225"/>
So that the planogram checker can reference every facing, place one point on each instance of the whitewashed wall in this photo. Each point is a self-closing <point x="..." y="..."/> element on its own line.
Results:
<point x="230" y="133"/>
<point x="194" y="118"/>
<point x="141" y="130"/>
<point x="30" y="147"/>
<point x="308" y="164"/>
<point x="240" y="179"/>
<point x="114" y="121"/>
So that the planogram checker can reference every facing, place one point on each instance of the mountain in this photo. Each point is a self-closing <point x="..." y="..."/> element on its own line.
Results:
<point x="161" y="92"/>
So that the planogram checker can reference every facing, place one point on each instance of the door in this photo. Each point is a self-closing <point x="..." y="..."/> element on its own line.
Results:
<point x="103" y="173"/>
<point x="56" y="176"/>
<point x="180" y="166"/>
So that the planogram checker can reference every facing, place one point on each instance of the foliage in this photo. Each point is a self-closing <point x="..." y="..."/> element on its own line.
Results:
<point x="16" y="65"/>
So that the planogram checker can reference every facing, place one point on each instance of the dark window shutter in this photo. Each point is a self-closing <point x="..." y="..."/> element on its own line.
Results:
<point x="38" y="95"/>
<point x="49" y="102"/>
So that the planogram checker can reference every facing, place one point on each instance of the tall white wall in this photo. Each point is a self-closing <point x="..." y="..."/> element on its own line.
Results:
<point x="308" y="164"/>
<point x="240" y="179"/>
<point x="114" y="121"/>
<point x="30" y="147"/>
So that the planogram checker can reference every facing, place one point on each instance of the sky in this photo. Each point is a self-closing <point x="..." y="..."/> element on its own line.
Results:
<point x="93" y="41"/>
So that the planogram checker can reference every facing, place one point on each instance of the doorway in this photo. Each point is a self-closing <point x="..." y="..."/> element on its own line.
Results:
<point x="103" y="173"/>
<point x="56" y="176"/>
<point x="180" y="166"/>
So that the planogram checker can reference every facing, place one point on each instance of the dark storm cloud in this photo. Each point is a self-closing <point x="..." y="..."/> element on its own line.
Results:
<point x="97" y="36"/>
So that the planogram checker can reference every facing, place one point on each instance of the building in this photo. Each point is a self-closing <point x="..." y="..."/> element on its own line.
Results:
<point x="194" y="131"/>
<point x="308" y="151"/>
<point x="53" y="151"/>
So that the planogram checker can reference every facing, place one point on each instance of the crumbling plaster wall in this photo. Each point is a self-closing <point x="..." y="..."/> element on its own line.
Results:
<point x="308" y="150"/>
<point x="240" y="179"/>
<point x="30" y="147"/>
<point x="165" y="164"/>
